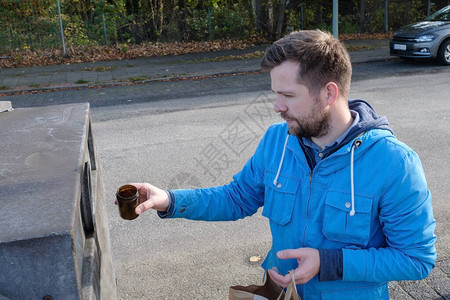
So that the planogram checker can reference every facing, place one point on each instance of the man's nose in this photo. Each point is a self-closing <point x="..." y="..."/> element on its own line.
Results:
<point x="279" y="105"/>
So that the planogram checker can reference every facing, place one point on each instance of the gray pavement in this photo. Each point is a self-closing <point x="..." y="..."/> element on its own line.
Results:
<point x="181" y="70"/>
<point x="154" y="69"/>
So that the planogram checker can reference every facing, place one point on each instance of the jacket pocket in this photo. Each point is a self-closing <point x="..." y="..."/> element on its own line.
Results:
<point x="377" y="291"/>
<point x="279" y="199"/>
<point x="338" y="225"/>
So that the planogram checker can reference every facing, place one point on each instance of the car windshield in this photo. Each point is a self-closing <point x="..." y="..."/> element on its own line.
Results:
<point x="440" y="15"/>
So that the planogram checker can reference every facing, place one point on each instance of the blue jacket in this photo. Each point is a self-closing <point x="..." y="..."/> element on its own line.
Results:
<point x="369" y="198"/>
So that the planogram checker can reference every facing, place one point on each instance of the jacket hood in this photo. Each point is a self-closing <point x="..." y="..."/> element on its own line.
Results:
<point x="368" y="119"/>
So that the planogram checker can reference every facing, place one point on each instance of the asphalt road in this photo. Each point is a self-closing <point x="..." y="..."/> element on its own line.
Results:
<point x="199" y="133"/>
<point x="169" y="143"/>
<point x="176" y="89"/>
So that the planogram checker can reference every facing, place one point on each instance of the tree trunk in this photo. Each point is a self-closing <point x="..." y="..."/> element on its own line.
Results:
<point x="182" y="18"/>
<point x="132" y="6"/>
<point x="408" y="10"/>
<point x="157" y="16"/>
<point x="89" y="10"/>
<point x="271" y="21"/>
<point x="362" y="20"/>
<point x="280" y="20"/>
<point x="161" y="17"/>
<point x="318" y="17"/>
<point x="259" y="16"/>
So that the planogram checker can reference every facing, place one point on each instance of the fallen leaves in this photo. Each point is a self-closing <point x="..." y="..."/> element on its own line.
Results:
<point x="364" y="36"/>
<point x="28" y="58"/>
<point x="255" y="259"/>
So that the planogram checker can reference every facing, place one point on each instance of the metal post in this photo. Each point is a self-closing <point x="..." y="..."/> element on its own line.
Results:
<point x="104" y="28"/>
<point x="386" y="16"/>
<point x="301" y="17"/>
<point x="429" y="8"/>
<point x="12" y="37"/>
<point x="335" y="18"/>
<point x="62" y="29"/>
<point x="209" y="23"/>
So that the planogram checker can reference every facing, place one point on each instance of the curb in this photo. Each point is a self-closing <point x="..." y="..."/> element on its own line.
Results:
<point x="163" y="79"/>
<point x="125" y="83"/>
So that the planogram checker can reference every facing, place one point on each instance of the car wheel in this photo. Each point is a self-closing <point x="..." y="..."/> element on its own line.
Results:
<point x="444" y="53"/>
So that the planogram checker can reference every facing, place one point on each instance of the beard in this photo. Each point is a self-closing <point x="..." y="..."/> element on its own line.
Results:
<point x="316" y="124"/>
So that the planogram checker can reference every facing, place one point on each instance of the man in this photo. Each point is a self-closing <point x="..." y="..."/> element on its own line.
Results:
<point x="347" y="202"/>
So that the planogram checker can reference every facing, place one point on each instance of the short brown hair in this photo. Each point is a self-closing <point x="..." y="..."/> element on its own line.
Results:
<point x="322" y="58"/>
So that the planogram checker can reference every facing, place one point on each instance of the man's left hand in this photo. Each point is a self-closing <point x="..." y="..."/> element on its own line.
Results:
<point x="308" y="266"/>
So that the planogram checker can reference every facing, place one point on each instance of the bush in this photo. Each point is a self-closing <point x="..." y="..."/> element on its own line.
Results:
<point x="75" y="32"/>
<point x="348" y="24"/>
<point x="230" y="23"/>
<point x="226" y="23"/>
<point x="197" y="26"/>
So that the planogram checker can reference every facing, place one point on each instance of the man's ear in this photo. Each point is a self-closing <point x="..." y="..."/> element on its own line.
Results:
<point x="332" y="91"/>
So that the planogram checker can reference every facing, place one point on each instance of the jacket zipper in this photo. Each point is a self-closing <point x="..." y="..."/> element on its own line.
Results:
<point x="307" y="209"/>
<point x="306" y="225"/>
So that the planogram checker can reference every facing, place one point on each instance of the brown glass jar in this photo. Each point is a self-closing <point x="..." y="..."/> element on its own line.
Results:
<point x="127" y="200"/>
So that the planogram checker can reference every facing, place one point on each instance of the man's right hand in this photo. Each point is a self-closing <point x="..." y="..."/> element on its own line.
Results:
<point x="151" y="197"/>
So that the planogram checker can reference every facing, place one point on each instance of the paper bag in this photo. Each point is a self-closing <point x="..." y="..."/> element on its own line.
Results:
<point x="268" y="291"/>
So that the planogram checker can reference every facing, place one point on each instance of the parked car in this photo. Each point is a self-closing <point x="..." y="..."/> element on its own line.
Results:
<point x="429" y="38"/>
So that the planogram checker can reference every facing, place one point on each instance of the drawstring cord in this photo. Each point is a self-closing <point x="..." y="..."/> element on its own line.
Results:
<point x="355" y="145"/>
<point x="275" y="181"/>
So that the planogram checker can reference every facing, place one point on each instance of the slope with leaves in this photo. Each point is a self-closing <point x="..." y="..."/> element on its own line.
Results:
<point x="28" y="58"/>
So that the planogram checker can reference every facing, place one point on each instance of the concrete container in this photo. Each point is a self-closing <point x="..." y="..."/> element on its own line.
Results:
<point x="54" y="236"/>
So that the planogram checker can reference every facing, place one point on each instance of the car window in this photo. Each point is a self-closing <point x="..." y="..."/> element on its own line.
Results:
<point x="441" y="15"/>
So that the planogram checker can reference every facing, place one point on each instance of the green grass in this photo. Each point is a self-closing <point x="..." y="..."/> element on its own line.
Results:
<point x="359" y="47"/>
<point x="82" y="81"/>
<point x="35" y="85"/>
<point x="255" y="54"/>
<point x="100" y="68"/>
<point x="3" y="88"/>
<point x="137" y="78"/>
